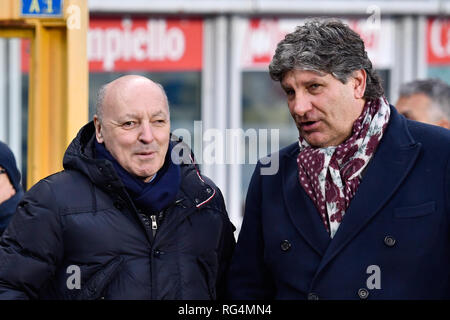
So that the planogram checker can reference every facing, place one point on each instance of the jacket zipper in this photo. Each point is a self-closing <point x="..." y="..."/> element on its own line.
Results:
<point x="154" y="225"/>
<point x="155" y="220"/>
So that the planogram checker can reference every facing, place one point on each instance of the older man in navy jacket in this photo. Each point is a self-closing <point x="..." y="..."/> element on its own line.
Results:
<point x="360" y="206"/>
<point x="130" y="217"/>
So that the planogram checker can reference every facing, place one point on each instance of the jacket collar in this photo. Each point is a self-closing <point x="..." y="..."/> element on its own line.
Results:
<point x="390" y="165"/>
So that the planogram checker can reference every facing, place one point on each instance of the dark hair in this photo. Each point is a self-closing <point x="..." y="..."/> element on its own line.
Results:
<point x="325" y="46"/>
<point x="437" y="90"/>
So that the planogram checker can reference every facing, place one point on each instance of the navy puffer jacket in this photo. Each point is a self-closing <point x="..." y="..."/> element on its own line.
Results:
<point x="82" y="222"/>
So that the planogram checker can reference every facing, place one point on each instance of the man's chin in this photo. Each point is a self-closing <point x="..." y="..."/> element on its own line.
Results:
<point x="314" y="139"/>
<point x="144" y="175"/>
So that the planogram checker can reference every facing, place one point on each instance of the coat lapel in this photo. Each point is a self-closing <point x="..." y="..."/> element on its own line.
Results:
<point x="390" y="165"/>
<point x="300" y="207"/>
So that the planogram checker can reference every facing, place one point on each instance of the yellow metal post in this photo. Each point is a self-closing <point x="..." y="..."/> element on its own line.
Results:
<point x="77" y="17"/>
<point x="9" y="9"/>
<point x="58" y="82"/>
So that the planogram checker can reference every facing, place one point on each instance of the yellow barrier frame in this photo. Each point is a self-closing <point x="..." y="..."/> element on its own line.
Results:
<point x="58" y="81"/>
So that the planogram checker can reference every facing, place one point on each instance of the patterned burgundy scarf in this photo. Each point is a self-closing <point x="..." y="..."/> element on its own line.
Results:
<point x="330" y="176"/>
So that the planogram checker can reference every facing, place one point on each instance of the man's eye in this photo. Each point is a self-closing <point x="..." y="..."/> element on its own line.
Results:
<point x="128" y="124"/>
<point x="289" y="92"/>
<point x="314" y="86"/>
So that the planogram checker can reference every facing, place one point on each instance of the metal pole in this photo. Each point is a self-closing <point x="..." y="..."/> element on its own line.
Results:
<point x="396" y="71"/>
<point x="15" y="100"/>
<point x="408" y="50"/>
<point x="422" y="67"/>
<point x="207" y="92"/>
<point x="214" y="99"/>
<point x="3" y="92"/>
<point x="221" y="101"/>
<point x="235" y="169"/>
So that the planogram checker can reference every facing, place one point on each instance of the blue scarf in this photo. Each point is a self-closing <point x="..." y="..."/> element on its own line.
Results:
<point x="151" y="196"/>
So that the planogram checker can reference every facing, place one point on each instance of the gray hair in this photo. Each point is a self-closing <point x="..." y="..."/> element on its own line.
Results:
<point x="437" y="90"/>
<point x="100" y="101"/>
<point x="101" y="93"/>
<point x="325" y="46"/>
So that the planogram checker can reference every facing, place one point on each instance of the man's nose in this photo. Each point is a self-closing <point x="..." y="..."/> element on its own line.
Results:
<point x="301" y="105"/>
<point x="146" y="134"/>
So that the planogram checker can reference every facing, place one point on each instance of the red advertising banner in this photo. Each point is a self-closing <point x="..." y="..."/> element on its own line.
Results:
<point x="145" y="44"/>
<point x="260" y="37"/>
<point x="438" y="44"/>
<point x="141" y="44"/>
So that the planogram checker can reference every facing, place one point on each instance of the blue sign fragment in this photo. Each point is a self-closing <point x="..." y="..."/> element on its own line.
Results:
<point x="42" y="8"/>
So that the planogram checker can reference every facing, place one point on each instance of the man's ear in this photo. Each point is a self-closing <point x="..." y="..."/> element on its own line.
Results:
<point x="98" y="129"/>
<point x="359" y="80"/>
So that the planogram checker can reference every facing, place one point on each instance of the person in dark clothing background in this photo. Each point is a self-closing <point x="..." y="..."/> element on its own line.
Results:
<point x="10" y="188"/>
<point x="129" y="217"/>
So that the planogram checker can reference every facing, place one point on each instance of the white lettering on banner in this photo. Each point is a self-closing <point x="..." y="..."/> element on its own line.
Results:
<point x="156" y="42"/>
<point x="438" y="48"/>
<point x="260" y="41"/>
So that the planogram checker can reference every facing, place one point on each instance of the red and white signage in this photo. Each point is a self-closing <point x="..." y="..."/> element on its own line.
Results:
<point x="141" y="44"/>
<point x="260" y="37"/>
<point x="438" y="41"/>
<point x="145" y="44"/>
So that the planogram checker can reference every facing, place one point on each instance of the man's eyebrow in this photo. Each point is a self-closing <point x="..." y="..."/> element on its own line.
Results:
<point x="285" y="86"/>
<point x="314" y="80"/>
<point x="129" y="115"/>
<point x="159" y="113"/>
<point x="309" y="82"/>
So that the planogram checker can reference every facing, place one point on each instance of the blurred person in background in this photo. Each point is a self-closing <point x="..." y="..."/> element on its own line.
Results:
<point x="123" y="220"/>
<point x="360" y="206"/>
<point x="10" y="188"/>
<point x="426" y="101"/>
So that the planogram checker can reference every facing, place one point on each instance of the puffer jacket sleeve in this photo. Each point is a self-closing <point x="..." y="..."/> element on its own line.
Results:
<point x="227" y="245"/>
<point x="31" y="246"/>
